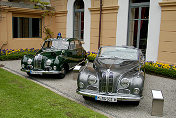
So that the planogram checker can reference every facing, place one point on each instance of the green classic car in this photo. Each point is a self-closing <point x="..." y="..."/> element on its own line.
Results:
<point x="56" y="56"/>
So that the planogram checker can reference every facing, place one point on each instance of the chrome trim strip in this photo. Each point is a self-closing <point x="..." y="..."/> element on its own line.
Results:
<point x="107" y="82"/>
<point x="77" y="64"/>
<point x="119" y="97"/>
<point x="43" y="72"/>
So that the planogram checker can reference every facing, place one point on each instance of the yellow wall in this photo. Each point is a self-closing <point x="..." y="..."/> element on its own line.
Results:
<point x="167" y="42"/>
<point x="61" y="16"/>
<point x="4" y="29"/>
<point x="109" y="23"/>
<point x="6" y="35"/>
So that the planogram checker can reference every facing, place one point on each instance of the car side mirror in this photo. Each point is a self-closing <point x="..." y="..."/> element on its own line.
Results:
<point x="82" y="42"/>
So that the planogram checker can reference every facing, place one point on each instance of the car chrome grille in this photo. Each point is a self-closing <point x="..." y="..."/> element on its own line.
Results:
<point x="92" y="88"/>
<point x="124" y="91"/>
<point x="107" y="82"/>
<point x="38" y="62"/>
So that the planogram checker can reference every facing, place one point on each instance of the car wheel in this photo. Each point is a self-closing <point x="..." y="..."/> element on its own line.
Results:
<point x="65" y="70"/>
<point x="83" y="64"/>
<point x="86" y="98"/>
<point x="29" y="73"/>
<point x="62" y="75"/>
<point x="135" y="103"/>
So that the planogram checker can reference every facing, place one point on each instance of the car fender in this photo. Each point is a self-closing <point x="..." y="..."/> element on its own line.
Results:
<point x="85" y="73"/>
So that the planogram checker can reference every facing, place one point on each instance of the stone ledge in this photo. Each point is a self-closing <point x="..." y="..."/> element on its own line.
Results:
<point x="167" y="4"/>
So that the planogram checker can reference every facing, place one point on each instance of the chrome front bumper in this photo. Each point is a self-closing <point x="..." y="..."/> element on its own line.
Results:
<point x="120" y="97"/>
<point x="42" y="72"/>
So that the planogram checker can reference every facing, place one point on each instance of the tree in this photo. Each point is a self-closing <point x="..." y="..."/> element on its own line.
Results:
<point x="48" y="11"/>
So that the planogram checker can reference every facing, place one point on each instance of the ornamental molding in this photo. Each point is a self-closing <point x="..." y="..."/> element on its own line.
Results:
<point x="167" y="4"/>
<point x="105" y="9"/>
<point x="61" y="13"/>
<point x="22" y="10"/>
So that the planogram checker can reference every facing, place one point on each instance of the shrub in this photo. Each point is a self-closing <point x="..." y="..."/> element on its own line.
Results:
<point x="160" y="69"/>
<point x="91" y="56"/>
<point x="16" y="54"/>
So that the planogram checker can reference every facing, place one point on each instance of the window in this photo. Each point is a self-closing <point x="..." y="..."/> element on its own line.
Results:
<point x="139" y="1"/>
<point x="26" y="27"/>
<point x="78" y="28"/>
<point x="138" y="24"/>
<point x="72" y="45"/>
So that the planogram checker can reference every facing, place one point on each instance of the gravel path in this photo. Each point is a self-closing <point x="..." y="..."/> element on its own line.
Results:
<point x="67" y="87"/>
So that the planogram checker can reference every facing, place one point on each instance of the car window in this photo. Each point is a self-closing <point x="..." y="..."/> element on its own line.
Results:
<point x="56" y="44"/>
<point x="119" y="52"/>
<point x="47" y="44"/>
<point x="72" y="45"/>
<point x="60" y="44"/>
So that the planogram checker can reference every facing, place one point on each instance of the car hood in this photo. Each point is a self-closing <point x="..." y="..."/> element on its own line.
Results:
<point x="116" y="65"/>
<point x="50" y="54"/>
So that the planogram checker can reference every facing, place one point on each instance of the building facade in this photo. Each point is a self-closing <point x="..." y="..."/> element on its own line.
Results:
<point x="21" y="26"/>
<point x="145" y="24"/>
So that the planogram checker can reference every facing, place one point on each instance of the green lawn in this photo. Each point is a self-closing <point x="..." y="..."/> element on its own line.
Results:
<point x="22" y="98"/>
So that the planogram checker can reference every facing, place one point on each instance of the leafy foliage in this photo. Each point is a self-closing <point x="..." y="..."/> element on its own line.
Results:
<point x="47" y="11"/>
<point x="48" y="32"/>
<point x="16" y="54"/>
<point x="160" y="69"/>
<point x="91" y="56"/>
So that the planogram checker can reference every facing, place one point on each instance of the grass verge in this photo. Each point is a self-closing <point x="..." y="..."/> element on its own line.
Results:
<point x="20" y="97"/>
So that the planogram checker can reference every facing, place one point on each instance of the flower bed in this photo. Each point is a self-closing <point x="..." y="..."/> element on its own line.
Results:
<point x="160" y="69"/>
<point x="12" y="54"/>
<point x="91" y="56"/>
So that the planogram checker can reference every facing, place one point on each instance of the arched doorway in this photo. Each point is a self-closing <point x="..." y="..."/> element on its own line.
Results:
<point x="78" y="20"/>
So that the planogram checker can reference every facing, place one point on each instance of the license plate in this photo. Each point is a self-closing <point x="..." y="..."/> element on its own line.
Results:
<point x="106" y="98"/>
<point x="33" y="72"/>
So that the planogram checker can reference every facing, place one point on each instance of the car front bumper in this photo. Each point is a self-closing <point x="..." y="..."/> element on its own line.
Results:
<point x="41" y="72"/>
<point x="119" y="97"/>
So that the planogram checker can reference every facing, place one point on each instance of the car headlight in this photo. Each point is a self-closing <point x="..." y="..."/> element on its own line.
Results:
<point x="29" y="61"/>
<point x="48" y="62"/>
<point x="55" y="68"/>
<point x="125" y="82"/>
<point x="81" y="85"/>
<point x="91" y="79"/>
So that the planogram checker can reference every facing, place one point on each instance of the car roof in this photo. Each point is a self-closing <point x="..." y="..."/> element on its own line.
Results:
<point x="66" y="39"/>
<point x="130" y="47"/>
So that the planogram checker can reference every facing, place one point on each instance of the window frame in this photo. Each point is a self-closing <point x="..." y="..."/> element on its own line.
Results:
<point x="140" y="6"/>
<point x="75" y="10"/>
<point x="30" y="29"/>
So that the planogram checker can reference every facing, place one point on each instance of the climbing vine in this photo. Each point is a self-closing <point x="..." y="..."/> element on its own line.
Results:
<point x="48" y="11"/>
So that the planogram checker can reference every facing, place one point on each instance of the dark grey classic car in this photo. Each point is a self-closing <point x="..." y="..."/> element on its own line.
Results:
<point x="116" y="75"/>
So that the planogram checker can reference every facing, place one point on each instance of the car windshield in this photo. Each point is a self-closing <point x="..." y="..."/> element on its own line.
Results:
<point x="56" y="44"/>
<point x="119" y="52"/>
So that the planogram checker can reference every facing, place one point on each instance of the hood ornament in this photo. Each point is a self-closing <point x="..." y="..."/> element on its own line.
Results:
<point x="109" y="70"/>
